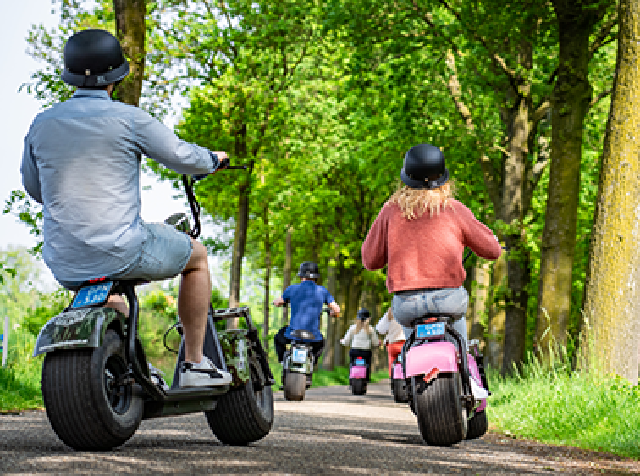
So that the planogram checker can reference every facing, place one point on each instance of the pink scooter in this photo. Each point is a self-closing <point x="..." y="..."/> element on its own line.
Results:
<point x="446" y="392"/>
<point x="399" y="386"/>
<point x="358" y="376"/>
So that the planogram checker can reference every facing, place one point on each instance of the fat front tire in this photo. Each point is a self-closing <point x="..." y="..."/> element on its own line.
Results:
<point x="477" y="425"/>
<point x="86" y="409"/>
<point x="359" y="386"/>
<point x="442" y="419"/>
<point x="400" y="391"/>
<point x="242" y="415"/>
<point x="295" y="385"/>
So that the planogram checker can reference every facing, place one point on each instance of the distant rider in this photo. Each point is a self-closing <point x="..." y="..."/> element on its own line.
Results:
<point x="82" y="160"/>
<point x="393" y="337"/>
<point x="362" y="338"/>
<point x="307" y="300"/>
<point x="420" y="234"/>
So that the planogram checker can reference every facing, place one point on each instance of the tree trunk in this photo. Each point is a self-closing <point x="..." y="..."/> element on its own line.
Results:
<point x="239" y="244"/>
<point x="267" y="279"/>
<point x="570" y="103"/>
<point x="328" y="359"/>
<point x="611" y="308"/>
<point x="496" y="318"/>
<point x="481" y="276"/>
<point x="286" y="279"/>
<point x="131" y="31"/>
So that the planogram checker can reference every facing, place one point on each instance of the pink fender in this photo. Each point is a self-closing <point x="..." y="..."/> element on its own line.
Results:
<point x="358" y="371"/>
<point x="397" y="371"/>
<point x="422" y="359"/>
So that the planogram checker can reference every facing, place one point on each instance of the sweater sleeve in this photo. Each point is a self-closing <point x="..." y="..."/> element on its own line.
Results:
<point x="374" y="247"/>
<point x="346" y="340"/>
<point x="383" y="324"/>
<point x="477" y="235"/>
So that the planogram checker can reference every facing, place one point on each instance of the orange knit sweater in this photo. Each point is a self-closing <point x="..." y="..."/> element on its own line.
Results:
<point x="426" y="252"/>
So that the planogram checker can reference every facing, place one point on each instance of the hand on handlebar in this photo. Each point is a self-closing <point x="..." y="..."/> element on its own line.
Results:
<point x="220" y="159"/>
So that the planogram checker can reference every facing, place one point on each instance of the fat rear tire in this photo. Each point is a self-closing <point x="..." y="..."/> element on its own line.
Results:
<point x="477" y="425"/>
<point x="242" y="415"/>
<point x="84" y="409"/>
<point x="358" y="386"/>
<point x="442" y="419"/>
<point x="295" y="385"/>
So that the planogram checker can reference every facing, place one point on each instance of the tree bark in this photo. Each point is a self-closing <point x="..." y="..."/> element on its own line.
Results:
<point x="611" y="308"/>
<point x="286" y="278"/>
<point x="267" y="278"/>
<point x="131" y="31"/>
<point x="570" y="102"/>
<point x="496" y="318"/>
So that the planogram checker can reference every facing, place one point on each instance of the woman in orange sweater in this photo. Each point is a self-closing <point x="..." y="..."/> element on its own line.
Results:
<point x="421" y="233"/>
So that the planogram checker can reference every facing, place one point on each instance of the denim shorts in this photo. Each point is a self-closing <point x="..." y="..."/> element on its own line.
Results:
<point x="409" y="305"/>
<point x="165" y="253"/>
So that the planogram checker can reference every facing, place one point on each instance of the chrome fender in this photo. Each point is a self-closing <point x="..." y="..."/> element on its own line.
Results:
<point x="74" y="328"/>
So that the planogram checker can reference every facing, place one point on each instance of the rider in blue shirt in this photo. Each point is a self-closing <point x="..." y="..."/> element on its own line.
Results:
<point x="307" y="299"/>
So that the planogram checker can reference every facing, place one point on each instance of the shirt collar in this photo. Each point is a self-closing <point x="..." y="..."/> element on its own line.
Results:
<point x="91" y="93"/>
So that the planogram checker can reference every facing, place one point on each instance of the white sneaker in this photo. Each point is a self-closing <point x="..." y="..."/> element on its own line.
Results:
<point x="204" y="374"/>
<point x="478" y="392"/>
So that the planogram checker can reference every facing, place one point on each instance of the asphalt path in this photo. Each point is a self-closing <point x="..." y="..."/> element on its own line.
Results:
<point x="330" y="432"/>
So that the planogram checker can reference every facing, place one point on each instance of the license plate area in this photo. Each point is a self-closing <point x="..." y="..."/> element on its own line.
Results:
<point x="360" y="362"/>
<point x="299" y="356"/>
<point x="430" y="331"/>
<point x="92" y="295"/>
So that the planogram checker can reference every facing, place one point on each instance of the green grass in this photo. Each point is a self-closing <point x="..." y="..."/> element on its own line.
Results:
<point x="601" y="414"/>
<point x="20" y="387"/>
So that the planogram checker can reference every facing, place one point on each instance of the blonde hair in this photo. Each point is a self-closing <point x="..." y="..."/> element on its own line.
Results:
<point x="361" y="324"/>
<point x="413" y="202"/>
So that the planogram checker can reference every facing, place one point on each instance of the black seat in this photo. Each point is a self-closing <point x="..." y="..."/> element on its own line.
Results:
<point x="302" y="334"/>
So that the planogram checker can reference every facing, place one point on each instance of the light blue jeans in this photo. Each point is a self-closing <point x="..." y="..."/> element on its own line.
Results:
<point x="409" y="305"/>
<point x="164" y="254"/>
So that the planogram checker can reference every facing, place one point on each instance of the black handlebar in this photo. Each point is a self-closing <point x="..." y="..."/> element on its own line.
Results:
<point x="188" y="181"/>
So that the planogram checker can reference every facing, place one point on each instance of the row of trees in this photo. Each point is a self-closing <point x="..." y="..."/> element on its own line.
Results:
<point x="323" y="99"/>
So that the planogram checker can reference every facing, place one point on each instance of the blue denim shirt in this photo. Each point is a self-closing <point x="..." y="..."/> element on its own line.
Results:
<point x="81" y="161"/>
<point x="306" y="300"/>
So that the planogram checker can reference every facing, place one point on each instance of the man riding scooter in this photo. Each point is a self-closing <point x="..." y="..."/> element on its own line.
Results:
<point x="307" y="299"/>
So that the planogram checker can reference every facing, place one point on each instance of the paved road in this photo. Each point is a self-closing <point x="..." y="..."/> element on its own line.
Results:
<point x="330" y="432"/>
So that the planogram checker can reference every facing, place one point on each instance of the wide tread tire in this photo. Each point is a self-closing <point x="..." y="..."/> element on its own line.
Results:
<point x="477" y="425"/>
<point x="359" y="386"/>
<point x="76" y="401"/>
<point x="442" y="419"/>
<point x="295" y="385"/>
<point x="242" y="417"/>
<point x="400" y="391"/>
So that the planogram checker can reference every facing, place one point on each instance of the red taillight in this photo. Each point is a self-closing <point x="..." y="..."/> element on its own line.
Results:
<point x="431" y="319"/>
<point x="431" y="375"/>
<point x="97" y="280"/>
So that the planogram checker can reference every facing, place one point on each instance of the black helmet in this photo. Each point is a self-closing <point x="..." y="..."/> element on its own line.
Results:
<point x="363" y="314"/>
<point x="424" y="167"/>
<point x="93" y="58"/>
<point x="309" y="270"/>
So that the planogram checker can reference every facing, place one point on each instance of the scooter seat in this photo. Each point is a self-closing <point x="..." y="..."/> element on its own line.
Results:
<point x="302" y="334"/>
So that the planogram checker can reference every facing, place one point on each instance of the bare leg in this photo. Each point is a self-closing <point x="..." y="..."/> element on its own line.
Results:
<point x="117" y="302"/>
<point x="193" y="301"/>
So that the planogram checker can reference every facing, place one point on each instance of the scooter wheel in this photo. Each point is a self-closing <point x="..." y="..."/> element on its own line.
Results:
<point x="442" y="418"/>
<point x="85" y="408"/>
<point x="243" y="415"/>
<point x="295" y="385"/>
<point x="477" y="425"/>
<point x="359" y="386"/>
